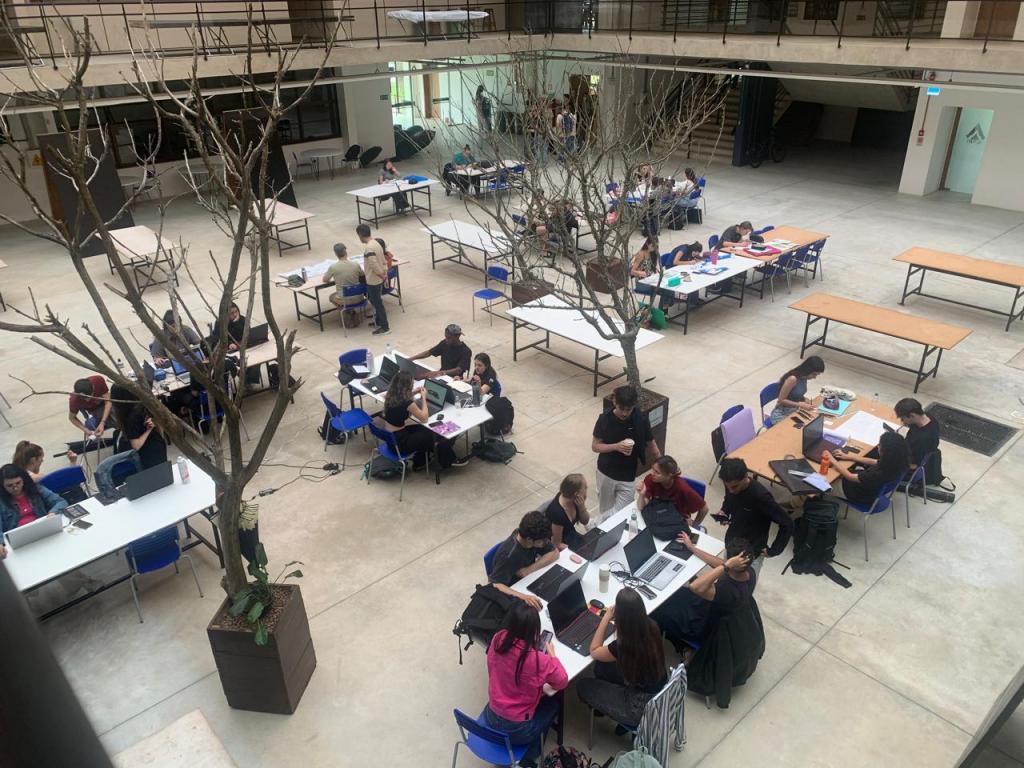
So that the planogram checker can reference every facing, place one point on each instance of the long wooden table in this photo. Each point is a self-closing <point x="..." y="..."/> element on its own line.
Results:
<point x="800" y="238"/>
<point x="934" y="336"/>
<point x="921" y="260"/>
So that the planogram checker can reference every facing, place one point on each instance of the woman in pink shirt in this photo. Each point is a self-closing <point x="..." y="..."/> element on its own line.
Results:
<point x="517" y="673"/>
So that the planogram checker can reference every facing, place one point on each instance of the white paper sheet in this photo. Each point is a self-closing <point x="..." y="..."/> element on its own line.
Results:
<point x="862" y="427"/>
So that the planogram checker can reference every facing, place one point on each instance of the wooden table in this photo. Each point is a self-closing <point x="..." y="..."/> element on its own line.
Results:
<point x="932" y="335"/>
<point x="785" y="439"/>
<point x="920" y="260"/>
<point x="800" y="238"/>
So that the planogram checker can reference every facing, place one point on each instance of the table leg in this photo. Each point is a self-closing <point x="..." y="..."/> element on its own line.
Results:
<point x="430" y="202"/>
<point x="906" y="283"/>
<point x="515" y="336"/>
<point x="319" y="311"/>
<point x="298" y="316"/>
<point x="433" y="253"/>
<point x="1013" y="308"/>
<point x="597" y="362"/>
<point x="803" y="344"/>
<point x="309" y="241"/>
<point x="277" y="232"/>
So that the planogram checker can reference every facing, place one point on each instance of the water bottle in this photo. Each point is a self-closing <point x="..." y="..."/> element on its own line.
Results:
<point x="388" y="352"/>
<point x="183" y="470"/>
<point x="476" y="394"/>
<point x="633" y="527"/>
<point x="369" y="361"/>
<point x="304" y="274"/>
<point x="714" y="257"/>
<point x="826" y="460"/>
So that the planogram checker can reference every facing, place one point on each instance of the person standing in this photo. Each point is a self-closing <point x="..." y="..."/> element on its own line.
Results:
<point x="375" y="267"/>
<point x="566" y="126"/>
<point x="91" y="397"/>
<point x="344" y="273"/>
<point x="750" y="510"/>
<point x="483" y="109"/>
<point x="624" y="442"/>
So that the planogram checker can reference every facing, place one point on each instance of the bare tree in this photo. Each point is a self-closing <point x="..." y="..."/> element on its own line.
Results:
<point x="230" y="179"/>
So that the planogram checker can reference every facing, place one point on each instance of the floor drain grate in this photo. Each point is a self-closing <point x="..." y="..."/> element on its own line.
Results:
<point x="969" y="431"/>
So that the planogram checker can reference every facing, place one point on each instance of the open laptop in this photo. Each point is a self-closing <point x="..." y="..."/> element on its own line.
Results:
<point x="180" y="370"/>
<point x="415" y="370"/>
<point x="437" y="395"/>
<point x="381" y="382"/>
<point x="148" y="371"/>
<point x="455" y="396"/>
<point x="258" y="334"/>
<point x="148" y="480"/>
<point x="571" y="618"/>
<point x="34" y="531"/>
<point x="596" y="542"/>
<point x="553" y="581"/>
<point x="646" y="564"/>
<point x="814" y="440"/>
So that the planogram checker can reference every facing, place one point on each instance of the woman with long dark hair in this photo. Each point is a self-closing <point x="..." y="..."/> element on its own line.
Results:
<point x="517" y="672"/>
<point x="793" y="387"/>
<point x="484" y="375"/>
<point x="630" y="670"/>
<point x="22" y="501"/>
<point x="400" y="405"/>
<point x="861" y="484"/>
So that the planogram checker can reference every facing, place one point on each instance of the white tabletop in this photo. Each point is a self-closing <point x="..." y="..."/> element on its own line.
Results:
<point x="258" y="354"/>
<point x="323" y="152"/>
<point x="113" y="527"/>
<point x="470" y="235"/>
<point x="140" y="242"/>
<point x="390" y="187"/>
<point x="734" y="265"/>
<point x="279" y="213"/>
<point x="573" y="662"/>
<point x="420" y="16"/>
<point x="549" y="313"/>
<point x="316" y="271"/>
<point x="498" y="167"/>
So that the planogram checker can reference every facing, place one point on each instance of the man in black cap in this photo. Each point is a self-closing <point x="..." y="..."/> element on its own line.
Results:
<point x="456" y="357"/>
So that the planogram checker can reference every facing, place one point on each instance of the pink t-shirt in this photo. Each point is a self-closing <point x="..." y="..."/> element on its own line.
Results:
<point x="518" y="701"/>
<point x="25" y="512"/>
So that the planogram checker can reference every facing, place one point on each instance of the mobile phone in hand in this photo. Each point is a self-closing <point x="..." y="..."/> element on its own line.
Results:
<point x="545" y="638"/>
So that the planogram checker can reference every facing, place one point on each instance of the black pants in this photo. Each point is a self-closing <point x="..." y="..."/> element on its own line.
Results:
<point x="608" y="693"/>
<point x="380" y="315"/>
<point x="401" y="201"/>
<point x="420" y="440"/>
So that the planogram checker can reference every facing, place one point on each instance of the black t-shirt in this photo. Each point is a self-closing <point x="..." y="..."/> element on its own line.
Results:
<point x="511" y="557"/>
<point x="570" y="536"/>
<point x="871" y="479"/>
<point x="923" y="440"/>
<point x="453" y="355"/>
<point x="154" y="451"/>
<point x="752" y="512"/>
<point x="396" y="415"/>
<point x="731" y="594"/>
<point x="610" y="429"/>
<point x="651" y="687"/>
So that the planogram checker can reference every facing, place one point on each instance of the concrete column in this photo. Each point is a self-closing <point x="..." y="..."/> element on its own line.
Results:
<point x="1018" y="31"/>
<point x="367" y="112"/>
<point x="960" y="19"/>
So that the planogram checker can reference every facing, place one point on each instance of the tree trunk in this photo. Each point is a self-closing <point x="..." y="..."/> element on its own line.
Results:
<point x="230" y="509"/>
<point x="628" y="343"/>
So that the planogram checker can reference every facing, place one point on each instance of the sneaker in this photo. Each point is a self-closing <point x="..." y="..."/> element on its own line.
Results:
<point x="461" y="462"/>
<point x="381" y="332"/>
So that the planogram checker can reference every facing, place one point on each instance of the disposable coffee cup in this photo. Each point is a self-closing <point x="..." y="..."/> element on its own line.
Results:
<point x="630" y="442"/>
<point x="603" y="578"/>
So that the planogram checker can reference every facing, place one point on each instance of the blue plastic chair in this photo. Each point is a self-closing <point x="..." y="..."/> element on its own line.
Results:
<point x="346" y="422"/>
<point x="153" y="552"/>
<point x="114" y="470"/>
<point x="697" y="485"/>
<point x="489" y="557"/>
<point x="882" y="502"/>
<point x="394" y="283"/>
<point x="915" y="476"/>
<point x="489" y="745"/>
<point x="353" y="357"/>
<point x="67" y="482"/>
<point x="768" y="394"/>
<point x="712" y="242"/>
<point x="490" y="295"/>
<point x="351" y="291"/>
<point x="762" y="230"/>
<point x="702" y="186"/>
<point x="781" y="266"/>
<point x="730" y="412"/>
<point x="388" y="448"/>
<point x="521" y="224"/>
<point x="810" y="260"/>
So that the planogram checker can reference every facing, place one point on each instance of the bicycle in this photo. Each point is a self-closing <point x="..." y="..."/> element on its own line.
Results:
<point x="770" y="147"/>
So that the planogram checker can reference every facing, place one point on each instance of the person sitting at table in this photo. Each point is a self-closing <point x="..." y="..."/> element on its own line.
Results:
<point x="664" y="483"/>
<point x="528" y="549"/>
<point x="185" y="335"/>
<point x="388" y="172"/>
<point x="464" y="158"/>
<point x="630" y="670"/>
<point x="922" y="438"/>
<point x="518" y="677"/>
<point x="401" y="404"/>
<point x="91" y="397"/>
<point x="645" y="260"/>
<point x="862" y="483"/>
<point x="688" y="253"/>
<point x="23" y="501"/>
<point x="749" y="509"/>
<point x="235" y="329"/>
<point x="793" y="387"/>
<point x="484" y="375"/>
<point x="344" y="273"/>
<point x="643" y="173"/>
<point x="567" y="510"/>
<point x="138" y="430"/>
<point x="682" y="193"/>
<point x="455" y="355"/>
<point x="739" y="234"/>
<point x="29" y="456"/>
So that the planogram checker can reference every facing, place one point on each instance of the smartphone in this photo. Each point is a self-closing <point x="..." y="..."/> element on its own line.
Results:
<point x="82" y="524"/>
<point x="545" y="638"/>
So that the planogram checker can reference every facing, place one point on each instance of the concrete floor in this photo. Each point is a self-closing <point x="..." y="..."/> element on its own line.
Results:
<point x="900" y="669"/>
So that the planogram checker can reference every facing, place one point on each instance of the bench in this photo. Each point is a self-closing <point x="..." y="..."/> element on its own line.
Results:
<point x="934" y="336"/>
<point x="921" y="260"/>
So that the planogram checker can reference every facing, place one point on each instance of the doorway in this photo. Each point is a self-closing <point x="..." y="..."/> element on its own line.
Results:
<point x="967" y="143"/>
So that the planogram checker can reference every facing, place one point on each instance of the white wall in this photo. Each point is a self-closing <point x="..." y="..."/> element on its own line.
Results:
<point x="999" y="180"/>
<point x="367" y="115"/>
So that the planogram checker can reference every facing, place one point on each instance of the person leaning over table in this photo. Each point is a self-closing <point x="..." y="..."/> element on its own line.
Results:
<point x="455" y="356"/>
<point x="528" y="549"/>
<point x="623" y="440"/>
<point x="862" y="483"/>
<point x="400" y="405"/>
<point x="22" y="501"/>
<point x="664" y="482"/>
<point x="29" y="456"/>
<point x="567" y="510"/>
<point x="739" y="234"/>
<point x="161" y="357"/>
<point x="793" y="387"/>
<point x="344" y="273"/>
<point x="376" y="270"/>
<point x="91" y="396"/>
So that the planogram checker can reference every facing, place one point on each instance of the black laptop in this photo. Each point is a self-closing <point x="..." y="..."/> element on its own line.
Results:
<point x="596" y="542"/>
<point x="415" y="370"/>
<point x="148" y="371"/>
<point x="148" y="480"/>
<point x="258" y="334"/>
<point x="381" y="382"/>
<point x="552" y="582"/>
<point x="814" y="441"/>
<point x="572" y="620"/>
<point x="437" y="396"/>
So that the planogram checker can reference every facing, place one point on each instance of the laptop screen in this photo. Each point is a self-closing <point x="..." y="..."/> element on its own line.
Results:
<point x="259" y="334"/>
<point x="436" y="392"/>
<point x="813" y="432"/>
<point x="388" y="369"/>
<point x="569" y="604"/>
<point x="640" y="550"/>
<point x="609" y="539"/>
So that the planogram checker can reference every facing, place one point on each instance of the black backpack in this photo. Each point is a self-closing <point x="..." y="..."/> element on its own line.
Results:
<point x="502" y="416"/>
<point x="663" y="519"/>
<point x="483" y="617"/>
<point x="334" y="436"/>
<point x="814" y="540"/>
<point x="497" y="451"/>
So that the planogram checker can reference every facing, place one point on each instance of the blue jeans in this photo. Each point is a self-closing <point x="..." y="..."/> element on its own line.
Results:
<point x="528" y="731"/>
<point x="539" y="148"/>
<point x="570" y="147"/>
<point x="380" y="315"/>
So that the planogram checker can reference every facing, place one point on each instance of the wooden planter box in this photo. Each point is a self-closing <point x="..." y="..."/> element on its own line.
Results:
<point x="655" y="405"/>
<point x="607" y="276"/>
<point x="269" y="678"/>
<point x="526" y="291"/>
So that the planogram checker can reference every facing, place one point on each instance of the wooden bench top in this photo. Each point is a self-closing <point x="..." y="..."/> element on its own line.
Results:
<point x="967" y="266"/>
<point x="888" y="322"/>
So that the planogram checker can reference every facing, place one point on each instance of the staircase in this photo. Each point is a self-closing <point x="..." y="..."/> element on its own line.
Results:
<point x="713" y="139"/>
<point x="894" y="18"/>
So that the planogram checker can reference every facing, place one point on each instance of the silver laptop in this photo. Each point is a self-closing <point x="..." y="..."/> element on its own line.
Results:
<point x="34" y="531"/>
<point x="646" y="564"/>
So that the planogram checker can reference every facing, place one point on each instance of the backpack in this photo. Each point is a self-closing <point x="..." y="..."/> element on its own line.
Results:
<point x="382" y="468"/>
<point x="497" y="451"/>
<point x="483" y="617"/>
<point x="663" y="519"/>
<point x="333" y="436"/>
<point x="502" y="415"/>
<point x="567" y="757"/>
<point x="814" y="540"/>
<point x="677" y="218"/>
<point x="635" y="758"/>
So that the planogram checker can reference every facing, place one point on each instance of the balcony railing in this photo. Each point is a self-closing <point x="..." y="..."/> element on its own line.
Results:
<point x="48" y="29"/>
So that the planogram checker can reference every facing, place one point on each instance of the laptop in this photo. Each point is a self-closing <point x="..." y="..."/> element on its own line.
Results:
<point x="596" y="542"/>
<point x="148" y="371"/>
<point x="437" y="396"/>
<point x="258" y="334"/>
<point x="34" y="531"/>
<point x="415" y="370"/>
<point x="571" y="618"/>
<point x="381" y="382"/>
<point x="148" y="480"/>
<point x="814" y="440"/>
<point x="180" y="370"/>
<point x="455" y="396"/>
<point x="553" y="581"/>
<point x="646" y="564"/>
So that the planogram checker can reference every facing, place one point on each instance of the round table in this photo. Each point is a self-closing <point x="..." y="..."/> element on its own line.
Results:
<point x="317" y="154"/>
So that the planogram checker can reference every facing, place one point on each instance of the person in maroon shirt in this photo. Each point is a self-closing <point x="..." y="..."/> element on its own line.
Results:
<point x="664" y="483"/>
<point x="91" y="397"/>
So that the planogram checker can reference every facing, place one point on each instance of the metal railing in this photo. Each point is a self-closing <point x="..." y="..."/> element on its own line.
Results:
<point x="47" y="29"/>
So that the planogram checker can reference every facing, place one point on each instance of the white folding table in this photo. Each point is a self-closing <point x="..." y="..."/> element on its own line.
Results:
<point x="330" y="154"/>
<point x="554" y="316"/>
<point x="475" y="176"/>
<point x="694" y="277"/>
<point x="460" y="236"/>
<point x="286" y="218"/>
<point x="144" y="251"/>
<point x="375" y="195"/>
